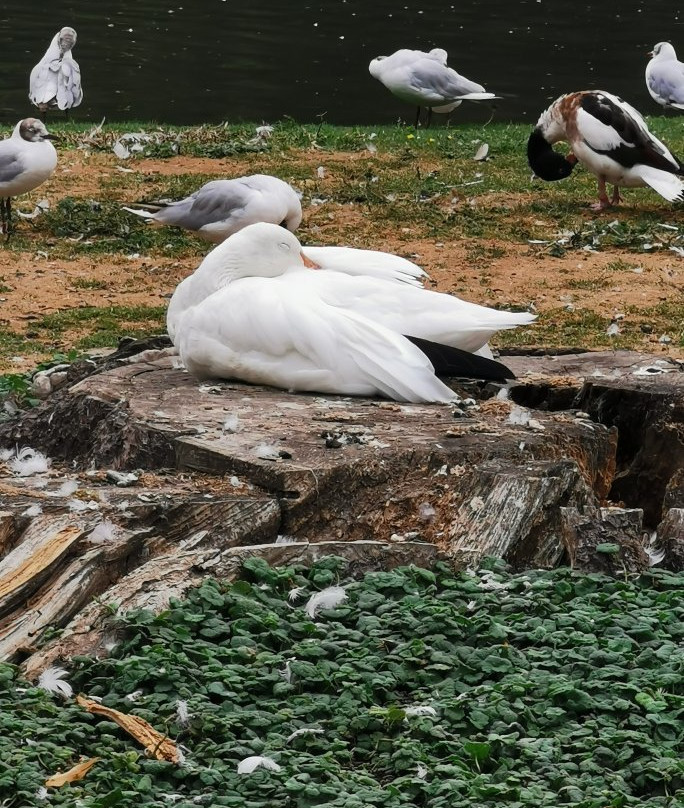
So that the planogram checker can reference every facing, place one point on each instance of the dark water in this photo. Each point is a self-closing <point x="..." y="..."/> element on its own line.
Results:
<point x="260" y="60"/>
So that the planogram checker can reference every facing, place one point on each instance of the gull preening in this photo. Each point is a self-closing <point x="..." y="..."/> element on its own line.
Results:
<point x="56" y="80"/>
<point x="222" y="207"/>
<point x="665" y="77"/>
<point x="610" y="138"/>
<point x="425" y="80"/>
<point x="265" y="316"/>
<point x="27" y="159"/>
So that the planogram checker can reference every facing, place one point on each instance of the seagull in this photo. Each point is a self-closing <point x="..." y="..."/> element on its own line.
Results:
<point x="424" y="79"/>
<point x="665" y="76"/>
<point x="27" y="159"/>
<point x="611" y="139"/>
<point x="222" y="207"/>
<point x="56" y="80"/>
<point x="273" y="320"/>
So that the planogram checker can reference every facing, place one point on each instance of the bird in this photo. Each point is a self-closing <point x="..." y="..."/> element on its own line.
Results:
<point x="425" y="79"/>
<point x="665" y="76"/>
<point x="222" y="207"/>
<point x="273" y="319"/>
<point x="611" y="139"/>
<point x="56" y="80"/>
<point x="27" y="159"/>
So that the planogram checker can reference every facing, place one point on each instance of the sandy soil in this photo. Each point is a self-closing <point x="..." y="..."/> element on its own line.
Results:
<point x="486" y="271"/>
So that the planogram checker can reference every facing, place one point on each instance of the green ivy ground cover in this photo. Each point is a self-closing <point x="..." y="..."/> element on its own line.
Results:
<point x="546" y="688"/>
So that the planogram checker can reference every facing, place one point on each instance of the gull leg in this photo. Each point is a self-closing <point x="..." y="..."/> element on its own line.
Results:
<point x="429" y="118"/>
<point x="417" y="123"/>
<point x="603" y="202"/>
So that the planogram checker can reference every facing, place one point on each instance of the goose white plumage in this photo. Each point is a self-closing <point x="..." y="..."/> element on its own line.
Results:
<point x="27" y="159"/>
<point x="264" y="317"/>
<point x="665" y="76"/>
<point x="610" y="138"/>
<point x="56" y="80"/>
<point x="425" y="80"/>
<point x="222" y="207"/>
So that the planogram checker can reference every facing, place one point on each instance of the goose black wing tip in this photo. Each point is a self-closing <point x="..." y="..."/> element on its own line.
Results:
<point x="449" y="361"/>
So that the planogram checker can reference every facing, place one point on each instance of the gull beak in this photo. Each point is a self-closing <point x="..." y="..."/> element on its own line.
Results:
<point x="308" y="262"/>
<point x="51" y="137"/>
<point x="650" y="53"/>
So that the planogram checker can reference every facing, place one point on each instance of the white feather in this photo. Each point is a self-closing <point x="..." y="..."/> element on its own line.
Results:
<point x="33" y="510"/>
<point x="418" y="710"/>
<point x="52" y="680"/>
<point x="249" y="764"/>
<point x="325" y="599"/>
<point x="67" y="488"/>
<point x="28" y="462"/>
<point x="182" y="713"/>
<point x="104" y="531"/>
<point x="296" y="591"/>
<point x="304" y="731"/>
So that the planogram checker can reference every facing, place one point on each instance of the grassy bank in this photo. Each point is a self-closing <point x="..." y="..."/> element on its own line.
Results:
<point x="472" y="224"/>
<point x="421" y="688"/>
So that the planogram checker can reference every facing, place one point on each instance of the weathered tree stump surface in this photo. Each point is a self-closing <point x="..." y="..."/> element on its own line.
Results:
<point x="226" y="466"/>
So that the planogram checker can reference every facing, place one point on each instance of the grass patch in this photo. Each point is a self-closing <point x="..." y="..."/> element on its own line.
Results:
<point x="423" y="688"/>
<point x="100" y="327"/>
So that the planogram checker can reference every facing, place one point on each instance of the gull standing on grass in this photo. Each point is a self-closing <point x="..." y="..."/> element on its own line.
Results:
<point x="56" y="80"/>
<point x="27" y="159"/>
<point x="425" y="80"/>
<point x="222" y="207"/>
<point x="665" y="77"/>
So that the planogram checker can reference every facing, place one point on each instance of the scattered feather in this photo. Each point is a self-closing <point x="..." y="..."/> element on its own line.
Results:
<point x="182" y="713"/>
<point x="32" y="510"/>
<point x="283" y="538"/>
<point x="266" y="451"/>
<point x="249" y="764"/>
<point x="5" y="454"/>
<point x="286" y="672"/>
<point x="419" y="710"/>
<point x="52" y="681"/>
<point x="231" y="424"/>
<point x="421" y="771"/>
<point x="104" y="532"/>
<point x="295" y="593"/>
<point x="134" y="696"/>
<point x="327" y="598"/>
<point x="121" y="150"/>
<point x="482" y="152"/>
<point x="28" y="462"/>
<point x="67" y="488"/>
<point x="304" y="731"/>
<point x="42" y="794"/>
<point x="426" y="512"/>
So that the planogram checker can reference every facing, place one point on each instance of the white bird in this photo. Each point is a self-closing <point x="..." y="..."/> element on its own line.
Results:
<point x="272" y="320"/>
<point x="211" y="274"/>
<point x="56" y="80"/>
<point x="611" y="139"/>
<point x="665" y="76"/>
<point x="27" y="159"/>
<point x="425" y="80"/>
<point x="222" y="207"/>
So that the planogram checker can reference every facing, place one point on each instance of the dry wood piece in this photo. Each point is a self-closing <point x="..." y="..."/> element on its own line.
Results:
<point x="156" y="744"/>
<point x="77" y="772"/>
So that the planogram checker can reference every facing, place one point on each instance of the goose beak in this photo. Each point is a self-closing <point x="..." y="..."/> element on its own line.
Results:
<point x="308" y="262"/>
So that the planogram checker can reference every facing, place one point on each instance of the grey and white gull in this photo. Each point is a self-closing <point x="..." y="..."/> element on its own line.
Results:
<point x="56" y="80"/>
<point x="222" y="207"/>
<point x="27" y="159"/>
<point x="425" y="80"/>
<point x="665" y="77"/>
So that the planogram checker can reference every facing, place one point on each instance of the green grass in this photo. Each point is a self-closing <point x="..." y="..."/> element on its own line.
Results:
<point x="542" y="688"/>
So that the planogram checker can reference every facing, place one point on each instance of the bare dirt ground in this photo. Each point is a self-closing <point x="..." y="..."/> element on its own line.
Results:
<point x="492" y="272"/>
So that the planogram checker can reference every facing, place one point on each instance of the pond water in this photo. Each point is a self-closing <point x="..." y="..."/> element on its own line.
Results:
<point x="215" y="60"/>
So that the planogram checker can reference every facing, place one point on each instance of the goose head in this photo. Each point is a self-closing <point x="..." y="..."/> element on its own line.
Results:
<point x="546" y="163"/>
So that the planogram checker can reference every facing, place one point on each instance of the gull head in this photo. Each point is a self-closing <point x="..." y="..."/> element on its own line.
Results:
<point x="66" y="39"/>
<point x="375" y="67"/>
<point x="665" y="51"/>
<point x="33" y="130"/>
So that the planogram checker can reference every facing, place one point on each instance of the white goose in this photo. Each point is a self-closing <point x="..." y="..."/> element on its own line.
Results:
<point x="222" y="207"/>
<point x="611" y="139"/>
<point x="425" y="80"/>
<point x="665" y="76"/>
<point x="56" y="80"/>
<point x="264" y="317"/>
